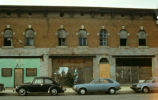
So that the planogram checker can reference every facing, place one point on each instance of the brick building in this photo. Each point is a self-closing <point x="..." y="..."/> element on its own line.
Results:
<point x="93" y="42"/>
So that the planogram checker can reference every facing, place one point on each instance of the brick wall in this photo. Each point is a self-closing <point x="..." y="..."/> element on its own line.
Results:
<point x="46" y="28"/>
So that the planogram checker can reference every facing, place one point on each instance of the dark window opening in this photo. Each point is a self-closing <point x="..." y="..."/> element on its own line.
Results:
<point x="29" y="42"/>
<point x="6" y="72"/>
<point x="29" y="13"/>
<point x="82" y="14"/>
<point x="7" y="42"/>
<point x="133" y="61"/>
<point x="8" y="13"/>
<point x="82" y="41"/>
<point x="103" y="42"/>
<point x="61" y="14"/>
<point x="29" y="37"/>
<point x="123" y="42"/>
<point x="31" y="71"/>
<point x="104" y="60"/>
<point x="142" y="42"/>
<point x="61" y="41"/>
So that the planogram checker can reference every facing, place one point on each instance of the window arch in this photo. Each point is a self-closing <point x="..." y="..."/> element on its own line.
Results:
<point x="142" y="37"/>
<point x="29" y="37"/>
<point x="104" y="60"/>
<point x="123" y="36"/>
<point x="8" y="37"/>
<point x="103" y="35"/>
<point x="62" y="37"/>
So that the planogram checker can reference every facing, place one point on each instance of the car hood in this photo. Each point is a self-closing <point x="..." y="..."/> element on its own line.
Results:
<point x="85" y="84"/>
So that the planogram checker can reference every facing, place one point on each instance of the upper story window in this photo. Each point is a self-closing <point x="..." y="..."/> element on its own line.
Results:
<point x="62" y="36"/>
<point x="29" y="36"/>
<point x="103" y="37"/>
<point x="123" y="36"/>
<point x="82" y="36"/>
<point x="142" y="36"/>
<point x="8" y="36"/>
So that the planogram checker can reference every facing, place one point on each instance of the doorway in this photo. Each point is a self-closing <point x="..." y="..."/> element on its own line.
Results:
<point x="18" y="76"/>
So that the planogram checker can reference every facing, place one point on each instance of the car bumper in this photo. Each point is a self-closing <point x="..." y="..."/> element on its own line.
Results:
<point x="136" y="89"/>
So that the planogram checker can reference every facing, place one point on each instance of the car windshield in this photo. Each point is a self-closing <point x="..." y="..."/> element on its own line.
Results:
<point x="147" y="81"/>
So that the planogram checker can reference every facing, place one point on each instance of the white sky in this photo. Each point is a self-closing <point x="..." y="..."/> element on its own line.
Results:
<point x="149" y="4"/>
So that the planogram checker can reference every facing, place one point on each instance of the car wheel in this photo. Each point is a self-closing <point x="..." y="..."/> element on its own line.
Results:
<point x="82" y="91"/>
<point x="22" y="92"/>
<point x="112" y="90"/>
<point x="145" y="90"/>
<point x="54" y="91"/>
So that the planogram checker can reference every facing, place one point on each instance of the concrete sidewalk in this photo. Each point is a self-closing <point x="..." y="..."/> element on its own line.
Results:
<point x="125" y="89"/>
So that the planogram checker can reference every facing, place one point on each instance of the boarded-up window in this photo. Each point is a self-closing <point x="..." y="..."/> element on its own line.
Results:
<point x="6" y="72"/>
<point x="31" y="71"/>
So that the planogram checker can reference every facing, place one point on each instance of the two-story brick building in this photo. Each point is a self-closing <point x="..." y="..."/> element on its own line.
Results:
<point x="93" y="42"/>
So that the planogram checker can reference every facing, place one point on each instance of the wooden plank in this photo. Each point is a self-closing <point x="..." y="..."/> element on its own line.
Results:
<point x="104" y="70"/>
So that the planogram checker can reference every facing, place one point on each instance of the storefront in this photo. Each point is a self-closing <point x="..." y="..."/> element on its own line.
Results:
<point x="15" y="71"/>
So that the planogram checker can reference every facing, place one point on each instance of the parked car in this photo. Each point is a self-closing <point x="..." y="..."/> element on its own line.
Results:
<point x="146" y="86"/>
<point x="98" y="85"/>
<point x="40" y="84"/>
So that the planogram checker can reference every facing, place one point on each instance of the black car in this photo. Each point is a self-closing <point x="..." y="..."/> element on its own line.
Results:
<point x="40" y="84"/>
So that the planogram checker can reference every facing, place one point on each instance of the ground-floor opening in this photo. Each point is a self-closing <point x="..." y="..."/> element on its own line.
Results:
<point x="133" y="69"/>
<point x="78" y="67"/>
<point x="16" y="71"/>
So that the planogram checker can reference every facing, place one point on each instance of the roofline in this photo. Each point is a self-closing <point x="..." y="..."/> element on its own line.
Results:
<point x="134" y="8"/>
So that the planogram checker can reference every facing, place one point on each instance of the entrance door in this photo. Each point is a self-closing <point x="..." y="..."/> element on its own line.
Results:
<point x="18" y="77"/>
<point x="104" y="70"/>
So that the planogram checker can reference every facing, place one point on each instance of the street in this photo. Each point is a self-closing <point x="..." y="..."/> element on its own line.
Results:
<point x="134" y="96"/>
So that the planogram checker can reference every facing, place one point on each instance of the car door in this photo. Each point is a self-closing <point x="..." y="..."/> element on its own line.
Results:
<point x="93" y="86"/>
<point x="36" y="85"/>
<point x="104" y="84"/>
<point x="47" y="84"/>
<point x="97" y="86"/>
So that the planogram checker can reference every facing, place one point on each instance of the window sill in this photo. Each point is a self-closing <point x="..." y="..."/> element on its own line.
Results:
<point x="29" y="47"/>
<point x="124" y="47"/>
<point x="61" y="46"/>
<point x="7" y="47"/>
<point x="142" y="47"/>
<point x="103" y="46"/>
<point x="82" y="46"/>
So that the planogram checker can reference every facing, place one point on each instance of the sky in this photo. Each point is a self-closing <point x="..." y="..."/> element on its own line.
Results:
<point x="142" y="4"/>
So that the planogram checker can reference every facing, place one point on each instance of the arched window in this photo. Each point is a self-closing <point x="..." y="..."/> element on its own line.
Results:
<point x="8" y="37"/>
<point x="82" y="36"/>
<point x="142" y="37"/>
<point x="104" y="60"/>
<point x="123" y="36"/>
<point x="103" y="35"/>
<point x="61" y="37"/>
<point x="29" y="37"/>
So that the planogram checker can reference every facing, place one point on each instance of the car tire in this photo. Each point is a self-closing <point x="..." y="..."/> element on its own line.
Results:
<point x="82" y="91"/>
<point x="22" y="92"/>
<point x="53" y="92"/>
<point x="145" y="90"/>
<point x="112" y="91"/>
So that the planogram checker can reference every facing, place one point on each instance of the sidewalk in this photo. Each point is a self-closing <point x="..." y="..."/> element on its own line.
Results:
<point x="125" y="89"/>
